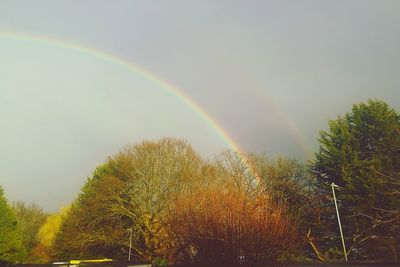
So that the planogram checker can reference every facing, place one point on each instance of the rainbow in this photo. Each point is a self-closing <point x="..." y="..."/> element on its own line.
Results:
<point x="238" y="69"/>
<point x="168" y="87"/>
<point x="171" y="89"/>
<point x="292" y="127"/>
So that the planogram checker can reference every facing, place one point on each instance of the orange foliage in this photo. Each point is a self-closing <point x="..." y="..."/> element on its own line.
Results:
<point x="39" y="254"/>
<point x="230" y="226"/>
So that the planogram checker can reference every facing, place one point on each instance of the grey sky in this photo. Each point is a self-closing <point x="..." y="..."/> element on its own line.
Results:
<point x="271" y="73"/>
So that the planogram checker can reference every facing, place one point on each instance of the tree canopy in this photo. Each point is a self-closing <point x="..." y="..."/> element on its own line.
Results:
<point x="11" y="247"/>
<point x="132" y="190"/>
<point x="30" y="218"/>
<point x="361" y="153"/>
<point x="235" y="208"/>
<point x="148" y="187"/>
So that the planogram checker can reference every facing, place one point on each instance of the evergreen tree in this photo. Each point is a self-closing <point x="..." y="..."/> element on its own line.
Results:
<point x="11" y="248"/>
<point x="361" y="154"/>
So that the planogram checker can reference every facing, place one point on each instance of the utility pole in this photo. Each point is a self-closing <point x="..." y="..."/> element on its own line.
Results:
<point x="338" y="218"/>
<point x="130" y="243"/>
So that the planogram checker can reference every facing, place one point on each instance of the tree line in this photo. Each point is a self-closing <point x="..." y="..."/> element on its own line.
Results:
<point x="177" y="207"/>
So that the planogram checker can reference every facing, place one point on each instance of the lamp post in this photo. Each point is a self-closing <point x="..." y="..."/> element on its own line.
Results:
<point x="130" y="243"/>
<point x="333" y="185"/>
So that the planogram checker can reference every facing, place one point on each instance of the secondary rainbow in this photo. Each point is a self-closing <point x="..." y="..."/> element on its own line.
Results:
<point x="259" y="89"/>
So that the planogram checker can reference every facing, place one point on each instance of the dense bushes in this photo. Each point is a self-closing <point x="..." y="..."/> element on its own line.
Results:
<point x="228" y="226"/>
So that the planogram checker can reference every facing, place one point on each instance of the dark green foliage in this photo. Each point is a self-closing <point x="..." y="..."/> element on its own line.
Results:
<point x="285" y="180"/>
<point x="160" y="262"/>
<point x="90" y="230"/>
<point x="361" y="153"/>
<point x="11" y="248"/>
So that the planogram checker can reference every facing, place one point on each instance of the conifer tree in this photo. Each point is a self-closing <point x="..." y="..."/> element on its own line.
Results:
<point x="10" y="235"/>
<point x="361" y="153"/>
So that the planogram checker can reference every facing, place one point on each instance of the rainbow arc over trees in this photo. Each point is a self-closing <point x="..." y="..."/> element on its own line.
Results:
<point x="168" y="87"/>
<point x="114" y="59"/>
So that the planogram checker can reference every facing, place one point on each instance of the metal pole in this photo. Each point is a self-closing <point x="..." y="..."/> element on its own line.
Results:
<point x="130" y="244"/>
<point x="338" y="218"/>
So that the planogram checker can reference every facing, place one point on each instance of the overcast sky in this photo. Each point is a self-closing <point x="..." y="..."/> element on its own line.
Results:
<point x="270" y="73"/>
